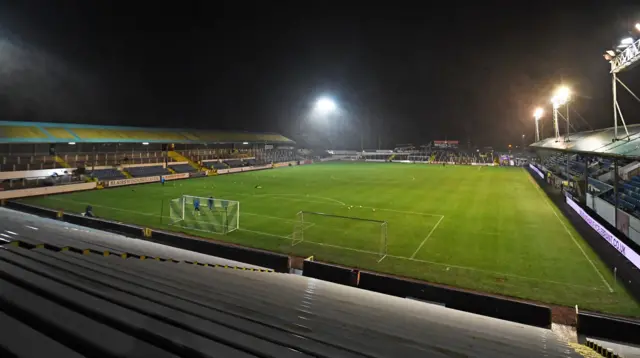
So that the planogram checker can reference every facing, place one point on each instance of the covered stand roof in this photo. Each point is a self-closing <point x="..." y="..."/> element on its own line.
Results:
<point x="36" y="132"/>
<point x="598" y="142"/>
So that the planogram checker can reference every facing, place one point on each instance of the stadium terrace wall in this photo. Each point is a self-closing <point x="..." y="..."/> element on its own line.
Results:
<point x="23" y="174"/>
<point x="46" y="190"/>
<point x="602" y="326"/>
<point x="492" y="306"/>
<point x="486" y="305"/>
<point x="277" y="262"/>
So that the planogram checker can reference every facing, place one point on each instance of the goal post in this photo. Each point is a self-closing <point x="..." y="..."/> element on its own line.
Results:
<point x="346" y="232"/>
<point x="214" y="215"/>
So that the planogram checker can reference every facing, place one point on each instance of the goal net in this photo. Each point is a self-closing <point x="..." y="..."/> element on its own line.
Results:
<point x="205" y="214"/>
<point x="351" y="233"/>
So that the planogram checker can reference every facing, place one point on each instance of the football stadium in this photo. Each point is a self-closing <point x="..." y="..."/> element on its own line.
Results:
<point x="486" y="224"/>
<point x="140" y="241"/>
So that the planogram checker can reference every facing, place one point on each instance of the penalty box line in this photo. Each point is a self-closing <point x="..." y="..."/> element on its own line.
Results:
<point x="427" y="238"/>
<point x="357" y="250"/>
<point x="430" y="262"/>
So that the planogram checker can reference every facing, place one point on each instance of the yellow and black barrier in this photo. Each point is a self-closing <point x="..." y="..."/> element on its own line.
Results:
<point x="125" y="255"/>
<point x="605" y="352"/>
<point x="228" y="267"/>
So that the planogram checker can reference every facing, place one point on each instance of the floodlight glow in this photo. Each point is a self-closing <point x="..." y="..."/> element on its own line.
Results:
<point x="561" y="96"/>
<point x="537" y="114"/>
<point x="325" y="105"/>
<point x="626" y="41"/>
<point x="245" y="143"/>
<point x="72" y="143"/>
<point x="145" y="143"/>
<point x="638" y="26"/>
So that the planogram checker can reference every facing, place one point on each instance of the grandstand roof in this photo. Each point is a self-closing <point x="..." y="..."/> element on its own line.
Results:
<point x="37" y="132"/>
<point x="598" y="142"/>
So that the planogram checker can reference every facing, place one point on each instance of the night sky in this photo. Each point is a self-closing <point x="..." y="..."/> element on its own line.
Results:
<point x="409" y="73"/>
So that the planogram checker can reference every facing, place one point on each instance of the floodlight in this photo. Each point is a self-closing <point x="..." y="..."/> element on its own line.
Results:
<point x="145" y="143"/>
<point x="245" y="143"/>
<point x="72" y="143"/>
<point x="561" y="96"/>
<point x="537" y="114"/>
<point x="625" y="42"/>
<point x="638" y="26"/>
<point x="325" y="105"/>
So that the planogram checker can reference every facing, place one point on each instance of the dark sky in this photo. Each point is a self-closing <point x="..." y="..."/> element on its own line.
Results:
<point x="410" y="73"/>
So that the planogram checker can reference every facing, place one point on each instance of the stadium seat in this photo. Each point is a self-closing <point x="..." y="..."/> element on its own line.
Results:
<point x="107" y="174"/>
<point x="183" y="168"/>
<point x="147" y="171"/>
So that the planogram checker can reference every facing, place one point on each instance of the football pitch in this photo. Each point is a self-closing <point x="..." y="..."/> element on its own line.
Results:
<point x="480" y="228"/>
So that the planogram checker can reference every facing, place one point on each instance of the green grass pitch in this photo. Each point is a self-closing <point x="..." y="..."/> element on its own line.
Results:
<point x="480" y="228"/>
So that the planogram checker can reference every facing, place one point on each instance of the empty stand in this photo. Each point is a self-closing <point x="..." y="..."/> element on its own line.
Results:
<point x="183" y="168"/>
<point x="107" y="174"/>
<point x="147" y="171"/>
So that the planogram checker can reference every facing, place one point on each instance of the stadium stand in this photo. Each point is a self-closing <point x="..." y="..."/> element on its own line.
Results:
<point x="113" y="158"/>
<point x="183" y="168"/>
<point x="33" y="182"/>
<point x="30" y="132"/>
<point x="107" y="174"/>
<point x="69" y="303"/>
<point x="27" y="162"/>
<point x="234" y="163"/>
<point x="137" y="172"/>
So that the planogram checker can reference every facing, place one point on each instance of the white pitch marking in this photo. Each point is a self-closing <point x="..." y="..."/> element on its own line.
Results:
<point x="370" y="252"/>
<point x="427" y="238"/>
<point x="535" y="185"/>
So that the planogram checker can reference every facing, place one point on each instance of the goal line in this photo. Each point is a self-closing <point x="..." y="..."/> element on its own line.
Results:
<point x="359" y="233"/>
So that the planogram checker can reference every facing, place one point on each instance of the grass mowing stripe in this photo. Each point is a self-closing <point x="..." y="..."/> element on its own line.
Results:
<point x="361" y="251"/>
<point x="546" y="200"/>
<point x="498" y="236"/>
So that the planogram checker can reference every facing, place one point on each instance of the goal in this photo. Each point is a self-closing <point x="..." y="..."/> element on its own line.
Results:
<point x="219" y="216"/>
<point x="345" y="232"/>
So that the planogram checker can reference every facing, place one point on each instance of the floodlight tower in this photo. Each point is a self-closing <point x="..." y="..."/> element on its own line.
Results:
<point x="537" y="114"/>
<point x="561" y="97"/>
<point x="623" y="58"/>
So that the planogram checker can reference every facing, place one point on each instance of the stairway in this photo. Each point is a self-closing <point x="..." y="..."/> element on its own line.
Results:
<point x="181" y="158"/>
<point x="61" y="161"/>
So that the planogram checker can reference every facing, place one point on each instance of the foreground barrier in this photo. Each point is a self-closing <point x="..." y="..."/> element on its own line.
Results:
<point x="502" y="308"/>
<point x="331" y="273"/>
<point x="277" y="262"/>
<point x="602" y="326"/>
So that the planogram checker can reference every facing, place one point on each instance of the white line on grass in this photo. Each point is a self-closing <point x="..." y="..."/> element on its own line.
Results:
<point x="436" y="263"/>
<point x="535" y="185"/>
<point x="304" y="196"/>
<point x="357" y="250"/>
<point x="427" y="238"/>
